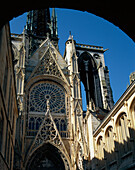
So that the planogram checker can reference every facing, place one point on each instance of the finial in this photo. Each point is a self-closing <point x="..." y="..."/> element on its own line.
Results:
<point x="70" y="36"/>
<point x="53" y="13"/>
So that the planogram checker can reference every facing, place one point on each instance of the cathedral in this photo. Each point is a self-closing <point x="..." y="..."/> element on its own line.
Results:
<point x="53" y="131"/>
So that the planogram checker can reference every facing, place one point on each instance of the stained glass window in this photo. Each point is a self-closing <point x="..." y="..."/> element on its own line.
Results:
<point x="42" y="92"/>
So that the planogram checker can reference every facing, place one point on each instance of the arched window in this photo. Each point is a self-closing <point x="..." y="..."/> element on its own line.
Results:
<point x="63" y="125"/>
<point x="44" y="91"/>
<point x="31" y="123"/>
<point x="60" y="124"/>
<point x="122" y="134"/>
<point x="132" y="124"/>
<point x="100" y="148"/>
<point x="89" y="75"/>
<point x="109" y="142"/>
<point x="38" y="123"/>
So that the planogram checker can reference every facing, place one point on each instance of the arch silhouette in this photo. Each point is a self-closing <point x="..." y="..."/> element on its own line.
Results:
<point x="120" y="14"/>
<point x="87" y="67"/>
<point x="43" y="155"/>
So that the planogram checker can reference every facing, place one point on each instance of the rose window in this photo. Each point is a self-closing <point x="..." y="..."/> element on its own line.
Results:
<point x="48" y="132"/>
<point x="47" y="91"/>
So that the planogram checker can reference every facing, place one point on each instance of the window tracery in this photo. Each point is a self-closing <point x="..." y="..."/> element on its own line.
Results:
<point x="48" y="66"/>
<point x="34" y="123"/>
<point x="39" y="94"/>
<point x="47" y="91"/>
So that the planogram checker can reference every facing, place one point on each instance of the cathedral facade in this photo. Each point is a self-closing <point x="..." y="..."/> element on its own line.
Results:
<point x="49" y="94"/>
<point x="53" y="131"/>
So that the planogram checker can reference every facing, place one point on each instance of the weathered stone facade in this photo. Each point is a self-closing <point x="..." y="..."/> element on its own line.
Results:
<point x="8" y="101"/>
<point x="49" y="94"/>
<point x="114" y="138"/>
<point x="53" y="131"/>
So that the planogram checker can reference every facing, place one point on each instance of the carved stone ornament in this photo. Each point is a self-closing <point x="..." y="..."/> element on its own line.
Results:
<point x="48" y="66"/>
<point x="42" y="92"/>
<point x="48" y="133"/>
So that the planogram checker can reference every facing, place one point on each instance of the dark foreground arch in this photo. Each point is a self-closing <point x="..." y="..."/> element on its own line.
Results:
<point x="120" y="13"/>
<point x="46" y="157"/>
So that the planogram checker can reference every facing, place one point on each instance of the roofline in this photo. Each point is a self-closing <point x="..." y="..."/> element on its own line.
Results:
<point x="90" y="47"/>
<point x="129" y="91"/>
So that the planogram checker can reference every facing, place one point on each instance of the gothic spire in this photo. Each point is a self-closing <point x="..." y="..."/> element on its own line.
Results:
<point x="39" y="26"/>
<point x="38" y="22"/>
<point x="54" y="28"/>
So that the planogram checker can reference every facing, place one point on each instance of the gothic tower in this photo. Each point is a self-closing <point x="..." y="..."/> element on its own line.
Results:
<point x="39" y="26"/>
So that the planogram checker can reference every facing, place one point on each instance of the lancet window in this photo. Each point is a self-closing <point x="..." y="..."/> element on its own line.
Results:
<point x="35" y="122"/>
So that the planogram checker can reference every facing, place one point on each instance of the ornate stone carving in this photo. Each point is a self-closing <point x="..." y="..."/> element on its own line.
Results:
<point x="42" y="92"/>
<point x="48" y="133"/>
<point x="48" y="66"/>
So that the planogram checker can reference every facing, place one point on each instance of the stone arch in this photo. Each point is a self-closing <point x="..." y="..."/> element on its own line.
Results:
<point x="122" y="134"/>
<point x="45" y="153"/>
<point x="100" y="154"/>
<point x="100" y="149"/>
<point x="87" y="56"/>
<point x="60" y="114"/>
<point x="120" y="115"/>
<point x="90" y="78"/>
<point x="109" y="150"/>
<point x="38" y="78"/>
<point x="108" y="127"/>
<point x="56" y="80"/>
<point x="109" y="141"/>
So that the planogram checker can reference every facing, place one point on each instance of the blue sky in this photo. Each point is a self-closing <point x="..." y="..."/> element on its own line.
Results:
<point x="90" y="29"/>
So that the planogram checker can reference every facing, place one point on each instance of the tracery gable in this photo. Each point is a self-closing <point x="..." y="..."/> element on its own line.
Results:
<point x="48" y="66"/>
<point x="78" y="108"/>
<point x="48" y="133"/>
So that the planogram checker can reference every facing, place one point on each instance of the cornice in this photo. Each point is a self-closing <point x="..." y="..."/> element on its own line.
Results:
<point x="125" y="96"/>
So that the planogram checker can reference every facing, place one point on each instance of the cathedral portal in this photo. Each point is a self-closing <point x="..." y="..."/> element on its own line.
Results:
<point x="46" y="157"/>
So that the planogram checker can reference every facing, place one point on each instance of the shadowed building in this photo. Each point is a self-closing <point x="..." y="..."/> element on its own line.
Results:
<point x="8" y="102"/>
<point x="53" y="131"/>
<point x="48" y="89"/>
